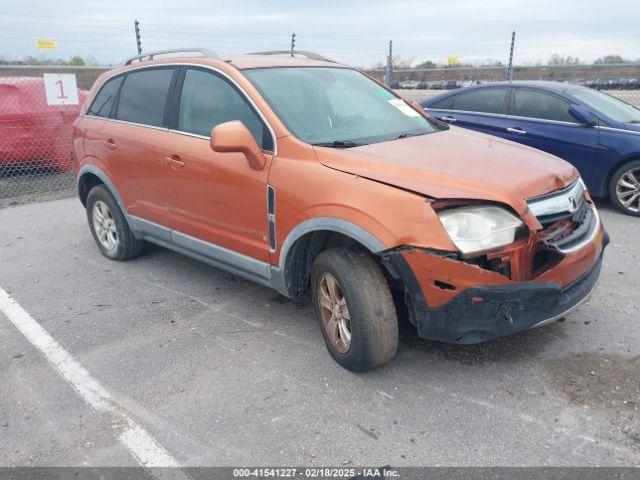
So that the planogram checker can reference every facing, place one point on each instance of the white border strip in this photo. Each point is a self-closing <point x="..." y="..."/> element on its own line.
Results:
<point x="142" y="446"/>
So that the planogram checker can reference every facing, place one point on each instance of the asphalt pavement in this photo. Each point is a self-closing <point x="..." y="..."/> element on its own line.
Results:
<point x="219" y="371"/>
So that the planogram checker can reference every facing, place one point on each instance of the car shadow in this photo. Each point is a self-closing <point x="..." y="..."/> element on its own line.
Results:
<point x="520" y="346"/>
<point x="605" y="205"/>
<point x="512" y="348"/>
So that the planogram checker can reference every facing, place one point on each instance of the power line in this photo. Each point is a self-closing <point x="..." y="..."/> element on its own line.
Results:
<point x="241" y="34"/>
<point x="50" y="17"/>
<point x="189" y="27"/>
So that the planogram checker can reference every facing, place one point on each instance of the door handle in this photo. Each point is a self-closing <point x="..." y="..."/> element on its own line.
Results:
<point x="110" y="144"/>
<point x="449" y="119"/>
<point x="516" y="130"/>
<point x="175" y="161"/>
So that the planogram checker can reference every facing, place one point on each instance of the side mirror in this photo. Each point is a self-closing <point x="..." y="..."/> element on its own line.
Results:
<point x="234" y="137"/>
<point x="582" y="115"/>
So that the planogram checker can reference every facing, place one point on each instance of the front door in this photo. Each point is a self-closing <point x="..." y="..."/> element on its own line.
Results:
<point x="217" y="202"/>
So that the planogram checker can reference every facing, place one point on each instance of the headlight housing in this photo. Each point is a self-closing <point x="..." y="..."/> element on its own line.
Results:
<point x="473" y="229"/>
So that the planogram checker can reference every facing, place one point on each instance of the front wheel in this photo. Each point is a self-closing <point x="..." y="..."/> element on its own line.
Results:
<point x="355" y="309"/>
<point x="624" y="188"/>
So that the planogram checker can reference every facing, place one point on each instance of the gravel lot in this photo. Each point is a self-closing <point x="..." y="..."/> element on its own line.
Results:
<point x="221" y="371"/>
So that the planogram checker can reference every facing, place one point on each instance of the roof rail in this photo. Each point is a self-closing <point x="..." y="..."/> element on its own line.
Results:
<point x="296" y="54"/>
<point x="205" y="52"/>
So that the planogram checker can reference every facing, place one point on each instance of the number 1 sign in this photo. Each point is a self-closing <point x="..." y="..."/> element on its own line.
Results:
<point x="61" y="89"/>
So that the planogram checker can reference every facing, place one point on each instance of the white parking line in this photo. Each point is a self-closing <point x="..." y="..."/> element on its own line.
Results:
<point x="142" y="446"/>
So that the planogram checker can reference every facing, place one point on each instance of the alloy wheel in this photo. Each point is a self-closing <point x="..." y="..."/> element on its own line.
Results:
<point x="335" y="313"/>
<point x="628" y="190"/>
<point x="104" y="225"/>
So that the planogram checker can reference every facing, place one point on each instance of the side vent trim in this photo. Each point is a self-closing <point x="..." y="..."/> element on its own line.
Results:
<point x="271" y="216"/>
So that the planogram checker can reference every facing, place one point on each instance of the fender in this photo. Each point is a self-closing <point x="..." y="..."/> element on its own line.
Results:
<point x="366" y="238"/>
<point x="104" y="178"/>
<point x="606" y="171"/>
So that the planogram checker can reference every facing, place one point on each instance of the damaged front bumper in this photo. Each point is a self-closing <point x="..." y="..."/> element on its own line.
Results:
<point x="456" y="302"/>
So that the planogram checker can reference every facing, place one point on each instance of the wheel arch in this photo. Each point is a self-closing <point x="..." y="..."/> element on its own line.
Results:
<point x="88" y="177"/>
<point x="311" y="237"/>
<point x="614" y="168"/>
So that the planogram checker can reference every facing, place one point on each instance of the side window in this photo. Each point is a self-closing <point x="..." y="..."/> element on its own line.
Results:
<point x="101" y="106"/>
<point x="143" y="96"/>
<point x="486" y="100"/>
<point x="534" y="104"/>
<point x="445" y="103"/>
<point x="208" y="100"/>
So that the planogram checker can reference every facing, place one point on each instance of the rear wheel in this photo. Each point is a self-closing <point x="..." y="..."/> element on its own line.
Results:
<point x="355" y="309"/>
<point x="109" y="227"/>
<point x="624" y="188"/>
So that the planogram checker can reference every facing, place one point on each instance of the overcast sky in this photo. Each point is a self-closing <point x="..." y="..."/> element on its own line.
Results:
<point x="354" y="32"/>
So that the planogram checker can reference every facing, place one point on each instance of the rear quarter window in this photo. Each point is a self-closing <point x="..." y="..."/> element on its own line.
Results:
<point x="143" y="96"/>
<point x="101" y="105"/>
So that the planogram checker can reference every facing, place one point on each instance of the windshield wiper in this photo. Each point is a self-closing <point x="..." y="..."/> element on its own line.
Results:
<point x="633" y="121"/>
<point x="406" y="134"/>
<point x="339" y="144"/>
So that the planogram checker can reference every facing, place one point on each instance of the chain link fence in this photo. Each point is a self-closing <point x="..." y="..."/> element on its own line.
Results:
<point x="35" y="137"/>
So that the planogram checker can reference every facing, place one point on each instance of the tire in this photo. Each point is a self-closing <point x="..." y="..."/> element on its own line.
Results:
<point x="620" y="188"/>
<point x="367" y="302"/>
<point x="119" y="243"/>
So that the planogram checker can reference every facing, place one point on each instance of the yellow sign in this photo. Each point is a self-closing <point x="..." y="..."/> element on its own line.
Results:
<point x="453" y="60"/>
<point x="46" y="44"/>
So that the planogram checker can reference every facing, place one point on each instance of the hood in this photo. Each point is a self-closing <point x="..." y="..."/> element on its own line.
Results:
<point x="456" y="164"/>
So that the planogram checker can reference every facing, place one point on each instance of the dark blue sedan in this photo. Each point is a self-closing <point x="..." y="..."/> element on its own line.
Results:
<point x="597" y="133"/>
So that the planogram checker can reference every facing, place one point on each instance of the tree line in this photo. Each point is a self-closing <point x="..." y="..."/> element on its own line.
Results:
<point x="554" y="60"/>
<point x="75" y="61"/>
<point x="398" y="62"/>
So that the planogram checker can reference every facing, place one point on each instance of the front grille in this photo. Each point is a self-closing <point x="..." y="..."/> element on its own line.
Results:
<point x="558" y="205"/>
<point x="569" y="222"/>
<point x="548" y="220"/>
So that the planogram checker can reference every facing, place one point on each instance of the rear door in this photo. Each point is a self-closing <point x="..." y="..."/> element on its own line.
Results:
<point x="134" y="139"/>
<point x="541" y="120"/>
<point x="481" y="109"/>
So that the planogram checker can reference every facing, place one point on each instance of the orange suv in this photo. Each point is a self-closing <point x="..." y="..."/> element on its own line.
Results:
<point x="298" y="172"/>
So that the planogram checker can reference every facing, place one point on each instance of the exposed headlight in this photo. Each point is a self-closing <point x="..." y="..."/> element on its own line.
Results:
<point x="473" y="229"/>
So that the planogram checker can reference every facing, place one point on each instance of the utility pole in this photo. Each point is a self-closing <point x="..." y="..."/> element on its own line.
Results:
<point x="293" y="43"/>
<point x="389" y="74"/>
<point x="510" y="71"/>
<point x="136" y="26"/>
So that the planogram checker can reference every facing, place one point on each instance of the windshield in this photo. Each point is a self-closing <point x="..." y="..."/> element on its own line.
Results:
<point x="336" y="106"/>
<point x="608" y="105"/>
